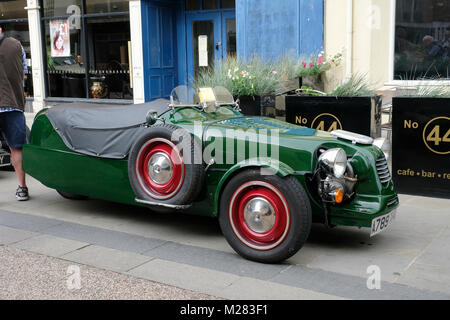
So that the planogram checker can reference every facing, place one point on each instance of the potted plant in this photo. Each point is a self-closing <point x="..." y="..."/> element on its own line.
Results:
<point x="421" y="140"/>
<point x="253" y="82"/>
<point x="352" y="106"/>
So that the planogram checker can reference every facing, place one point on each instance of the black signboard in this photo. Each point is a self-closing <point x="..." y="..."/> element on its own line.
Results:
<point x="357" y="114"/>
<point x="421" y="146"/>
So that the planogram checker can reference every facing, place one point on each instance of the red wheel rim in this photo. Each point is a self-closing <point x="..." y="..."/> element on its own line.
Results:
<point x="163" y="147"/>
<point x="270" y="197"/>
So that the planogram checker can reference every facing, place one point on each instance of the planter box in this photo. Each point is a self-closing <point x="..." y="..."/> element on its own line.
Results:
<point x="357" y="114"/>
<point x="257" y="105"/>
<point x="421" y="146"/>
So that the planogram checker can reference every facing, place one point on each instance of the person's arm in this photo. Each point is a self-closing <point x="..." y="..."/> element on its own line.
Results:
<point x="24" y="63"/>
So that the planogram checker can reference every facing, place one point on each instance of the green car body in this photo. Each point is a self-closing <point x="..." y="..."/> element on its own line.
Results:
<point x="50" y="161"/>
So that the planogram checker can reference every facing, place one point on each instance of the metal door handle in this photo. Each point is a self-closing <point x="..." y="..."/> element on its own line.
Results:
<point x="218" y="44"/>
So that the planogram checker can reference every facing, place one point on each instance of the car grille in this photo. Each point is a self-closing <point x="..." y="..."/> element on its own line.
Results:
<point x="383" y="170"/>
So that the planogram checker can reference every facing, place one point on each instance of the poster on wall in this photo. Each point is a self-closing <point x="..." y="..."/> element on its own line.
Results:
<point x="60" y="38"/>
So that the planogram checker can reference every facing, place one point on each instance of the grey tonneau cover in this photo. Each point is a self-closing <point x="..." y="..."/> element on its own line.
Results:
<point x="102" y="130"/>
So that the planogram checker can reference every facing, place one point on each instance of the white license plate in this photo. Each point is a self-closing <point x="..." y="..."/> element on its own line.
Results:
<point x="381" y="223"/>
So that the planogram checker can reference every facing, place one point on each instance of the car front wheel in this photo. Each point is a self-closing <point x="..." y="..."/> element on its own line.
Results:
<point x="265" y="218"/>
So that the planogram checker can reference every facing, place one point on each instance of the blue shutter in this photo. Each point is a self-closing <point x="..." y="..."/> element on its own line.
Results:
<point x="271" y="28"/>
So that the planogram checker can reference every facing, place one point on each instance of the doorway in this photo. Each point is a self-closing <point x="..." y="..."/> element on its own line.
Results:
<point x="210" y="33"/>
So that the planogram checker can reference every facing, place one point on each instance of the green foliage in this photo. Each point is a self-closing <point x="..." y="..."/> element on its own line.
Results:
<point x="434" y="91"/>
<point x="243" y="78"/>
<point x="356" y="86"/>
<point x="316" y="66"/>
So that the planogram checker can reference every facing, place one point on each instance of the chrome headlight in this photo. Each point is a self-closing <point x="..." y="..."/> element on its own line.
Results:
<point x="335" y="161"/>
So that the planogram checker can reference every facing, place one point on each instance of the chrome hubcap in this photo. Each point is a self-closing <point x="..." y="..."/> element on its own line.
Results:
<point x="259" y="215"/>
<point x="160" y="168"/>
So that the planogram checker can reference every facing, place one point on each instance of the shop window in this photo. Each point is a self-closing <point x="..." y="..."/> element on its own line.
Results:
<point x="88" y="57"/>
<point x="195" y="5"/>
<point x="228" y="4"/>
<point x="14" y="23"/>
<point x="108" y="47"/>
<point x="231" y="37"/>
<point x="210" y="4"/>
<point x="422" y="39"/>
<point x="106" y="6"/>
<point x="13" y="10"/>
<point x="192" y="5"/>
<point x="58" y="8"/>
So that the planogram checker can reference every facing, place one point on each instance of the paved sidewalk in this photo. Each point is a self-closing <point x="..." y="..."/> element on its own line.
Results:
<point x="190" y="253"/>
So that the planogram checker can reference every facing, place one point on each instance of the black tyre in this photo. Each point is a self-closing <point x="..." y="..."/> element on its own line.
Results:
<point x="71" y="196"/>
<point x="265" y="218"/>
<point x="165" y="166"/>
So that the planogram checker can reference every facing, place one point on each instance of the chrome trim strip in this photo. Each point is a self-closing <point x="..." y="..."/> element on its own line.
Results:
<point x="170" y="206"/>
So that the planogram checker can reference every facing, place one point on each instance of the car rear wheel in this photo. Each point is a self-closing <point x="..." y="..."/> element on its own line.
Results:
<point x="265" y="218"/>
<point x="165" y="167"/>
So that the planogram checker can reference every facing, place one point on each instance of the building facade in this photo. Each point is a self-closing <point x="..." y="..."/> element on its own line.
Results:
<point x="135" y="51"/>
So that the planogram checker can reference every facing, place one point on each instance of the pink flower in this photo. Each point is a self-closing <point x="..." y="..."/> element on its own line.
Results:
<point x="320" y="60"/>
<point x="304" y="64"/>
<point x="311" y="65"/>
<point x="274" y="72"/>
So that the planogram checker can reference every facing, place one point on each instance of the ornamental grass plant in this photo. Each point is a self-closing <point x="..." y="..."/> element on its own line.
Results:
<point x="253" y="77"/>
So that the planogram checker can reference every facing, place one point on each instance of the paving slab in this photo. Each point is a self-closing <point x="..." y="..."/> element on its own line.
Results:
<point x="254" y="289"/>
<point x="106" y="258"/>
<point x="438" y="251"/>
<point x="216" y="260"/>
<point x="106" y="238"/>
<point x="428" y="277"/>
<point x="49" y="245"/>
<point x="185" y="276"/>
<point x="26" y="221"/>
<point x="351" y="287"/>
<point x="12" y="235"/>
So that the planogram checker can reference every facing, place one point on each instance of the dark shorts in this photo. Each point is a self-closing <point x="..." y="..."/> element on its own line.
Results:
<point x="13" y="128"/>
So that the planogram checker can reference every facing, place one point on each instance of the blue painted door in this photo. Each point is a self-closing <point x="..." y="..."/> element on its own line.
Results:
<point x="203" y="32"/>
<point x="209" y="36"/>
<point x="160" y="49"/>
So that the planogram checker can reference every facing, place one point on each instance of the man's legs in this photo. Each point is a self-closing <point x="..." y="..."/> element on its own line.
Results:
<point x="13" y="126"/>
<point x="16" y="157"/>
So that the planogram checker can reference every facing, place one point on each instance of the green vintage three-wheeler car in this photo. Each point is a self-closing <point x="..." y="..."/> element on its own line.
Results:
<point x="265" y="180"/>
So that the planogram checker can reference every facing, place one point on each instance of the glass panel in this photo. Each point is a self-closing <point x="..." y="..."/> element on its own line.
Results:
<point x="203" y="43"/>
<point x="65" y="63"/>
<point x="108" y="40"/>
<point x="58" y="8"/>
<point x="106" y="6"/>
<point x="13" y="9"/>
<point x="231" y="37"/>
<point x="228" y="4"/>
<point x="19" y="31"/>
<point x="210" y="5"/>
<point x="422" y="40"/>
<point x="193" y="5"/>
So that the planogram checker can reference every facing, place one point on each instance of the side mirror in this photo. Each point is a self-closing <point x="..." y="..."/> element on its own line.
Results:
<point x="152" y="117"/>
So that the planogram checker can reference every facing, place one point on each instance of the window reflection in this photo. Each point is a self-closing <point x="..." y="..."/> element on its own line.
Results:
<point x="106" y="6"/>
<point x="13" y="10"/>
<point x="422" y="39"/>
<point x="89" y="60"/>
<point x="58" y="8"/>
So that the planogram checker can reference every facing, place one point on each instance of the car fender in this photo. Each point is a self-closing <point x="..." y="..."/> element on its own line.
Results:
<point x="270" y="165"/>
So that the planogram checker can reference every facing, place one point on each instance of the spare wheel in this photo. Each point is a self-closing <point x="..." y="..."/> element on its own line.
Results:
<point x="165" y="166"/>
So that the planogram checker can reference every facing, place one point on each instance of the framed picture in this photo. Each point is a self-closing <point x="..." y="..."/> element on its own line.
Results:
<point x="60" y="38"/>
